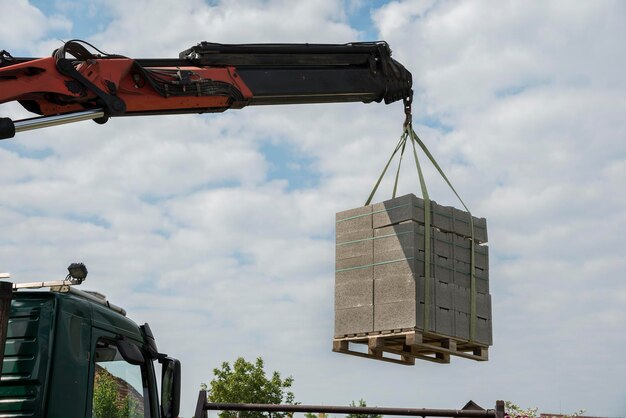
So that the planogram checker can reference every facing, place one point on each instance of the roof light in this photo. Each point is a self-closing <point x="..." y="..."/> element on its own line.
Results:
<point x="78" y="273"/>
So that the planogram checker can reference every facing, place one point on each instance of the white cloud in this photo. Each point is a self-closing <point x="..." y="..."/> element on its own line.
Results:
<point x="222" y="261"/>
<point x="23" y="25"/>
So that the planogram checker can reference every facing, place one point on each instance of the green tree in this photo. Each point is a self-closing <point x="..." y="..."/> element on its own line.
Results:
<point x="362" y="404"/>
<point x="246" y="382"/>
<point x="107" y="401"/>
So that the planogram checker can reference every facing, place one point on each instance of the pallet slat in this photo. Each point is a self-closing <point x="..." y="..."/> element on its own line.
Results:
<point x="411" y="345"/>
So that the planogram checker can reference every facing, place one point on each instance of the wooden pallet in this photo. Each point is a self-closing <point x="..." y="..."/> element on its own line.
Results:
<point x="407" y="346"/>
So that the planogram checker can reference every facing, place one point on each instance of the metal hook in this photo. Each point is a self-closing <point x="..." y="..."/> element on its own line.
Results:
<point x="407" y="110"/>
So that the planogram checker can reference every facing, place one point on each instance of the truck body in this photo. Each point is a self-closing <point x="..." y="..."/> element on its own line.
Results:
<point x="62" y="344"/>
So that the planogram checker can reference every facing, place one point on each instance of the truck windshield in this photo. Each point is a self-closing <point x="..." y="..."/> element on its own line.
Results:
<point x="120" y="388"/>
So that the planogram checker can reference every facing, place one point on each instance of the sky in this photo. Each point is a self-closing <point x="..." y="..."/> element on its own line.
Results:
<point x="218" y="229"/>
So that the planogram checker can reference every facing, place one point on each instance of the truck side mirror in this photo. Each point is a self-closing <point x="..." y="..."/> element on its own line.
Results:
<point x="170" y="387"/>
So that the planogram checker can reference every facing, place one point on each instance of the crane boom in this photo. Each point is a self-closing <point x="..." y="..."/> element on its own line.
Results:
<point x="77" y="84"/>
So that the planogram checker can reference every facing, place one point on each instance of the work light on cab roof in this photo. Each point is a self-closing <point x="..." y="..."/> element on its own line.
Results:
<point x="77" y="273"/>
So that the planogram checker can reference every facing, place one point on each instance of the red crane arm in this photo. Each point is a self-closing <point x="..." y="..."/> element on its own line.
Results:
<point x="76" y="84"/>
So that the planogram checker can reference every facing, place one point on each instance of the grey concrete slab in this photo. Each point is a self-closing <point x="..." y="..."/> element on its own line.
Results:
<point x="480" y="230"/>
<point x="421" y="290"/>
<point x="400" y="209"/>
<point x="442" y="217"/>
<point x="394" y="315"/>
<point x="354" y="275"/>
<point x="462" y="252"/>
<point x="407" y="236"/>
<point x="442" y="243"/>
<point x="420" y="317"/>
<point x="354" y="235"/>
<point x="443" y="269"/>
<point x="353" y="220"/>
<point x="483" y="306"/>
<point x="395" y="267"/>
<point x="444" y="321"/>
<point x="461" y="325"/>
<point x="462" y="302"/>
<point x="461" y="222"/>
<point x="402" y="227"/>
<point x="484" y="333"/>
<point x="352" y="262"/>
<point x="354" y="320"/>
<point x="354" y="294"/>
<point x="462" y="274"/>
<point x="399" y="254"/>
<point x="482" y="285"/>
<point x="404" y="242"/>
<point x="398" y="288"/>
<point x="444" y="294"/>
<point x="358" y="248"/>
<point x="461" y="299"/>
<point x="353" y="213"/>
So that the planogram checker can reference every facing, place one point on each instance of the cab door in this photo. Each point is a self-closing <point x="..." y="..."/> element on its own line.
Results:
<point x="121" y="379"/>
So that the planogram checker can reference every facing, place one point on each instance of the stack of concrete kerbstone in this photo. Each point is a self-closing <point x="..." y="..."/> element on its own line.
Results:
<point x="379" y="279"/>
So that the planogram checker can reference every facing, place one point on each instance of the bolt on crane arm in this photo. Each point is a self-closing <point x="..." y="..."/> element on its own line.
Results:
<point x="76" y="84"/>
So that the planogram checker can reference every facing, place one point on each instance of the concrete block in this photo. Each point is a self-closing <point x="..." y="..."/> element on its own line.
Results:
<point x="444" y="321"/>
<point x="482" y="285"/>
<point x="484" y="333"/>
<point x="461" y="299"/>
<point x="357" y="248"/>
<point x="420" y="317"/>
<point x="353" y="220"/>
<point x="461" y="222"/>
<point x="442" y="243"/>
<point x="404" y="244"/>
<point x="483" y="306"/>
<point x="420" y="290"/>
<point x="354" y="294"/>
<point x="442" y="217"/>
<point x="362" y="274"/>
<point x="480" y="230"/>
<point x="395" y="289"/>
<point x="443" y="269"/>
<point x="395" y="315"/>
<point x="400" y="228"/>
<point x="462" y="276"/>
<point x="462" y="252"/>
<point x="396" y="266"/>
<point x="461" y="225"/>
<point x="400" y="209"/>
<point x="396" y="255"/>
<point x="356" y="235"/>
<point x="352" y="262"/>
<point x="354" y="320"/>
<point x="406" y="236"/>
<point x="461" y="325"/>
<point x="444" y="294"/>
<point x="462" y="302"/>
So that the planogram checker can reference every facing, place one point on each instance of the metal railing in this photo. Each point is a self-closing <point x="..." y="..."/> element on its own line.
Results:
<point x="204" y="405"/>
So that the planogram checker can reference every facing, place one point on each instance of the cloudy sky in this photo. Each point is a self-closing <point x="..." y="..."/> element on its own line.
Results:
<point x="218" y="229"/>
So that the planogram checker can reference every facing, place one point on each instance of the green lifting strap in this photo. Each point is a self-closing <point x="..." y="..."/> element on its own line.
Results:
<point x="409" y="133"/>
<point x="402" y="141"/>
<point x="395" y="183"/>
<point x="415" y="138"/>
<point x="427" y="222"/>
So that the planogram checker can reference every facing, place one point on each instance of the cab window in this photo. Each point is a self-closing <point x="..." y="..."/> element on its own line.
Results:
<point x="120" y="388"/>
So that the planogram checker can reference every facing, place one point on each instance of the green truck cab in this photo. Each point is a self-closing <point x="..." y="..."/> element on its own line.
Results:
<point x="71" y="353"/>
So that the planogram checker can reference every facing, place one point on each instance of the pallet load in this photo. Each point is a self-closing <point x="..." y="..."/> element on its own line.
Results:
<point x="406" y="298"/>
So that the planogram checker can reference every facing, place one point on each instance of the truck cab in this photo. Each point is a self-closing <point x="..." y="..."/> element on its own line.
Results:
<point x="71" y="353"/>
